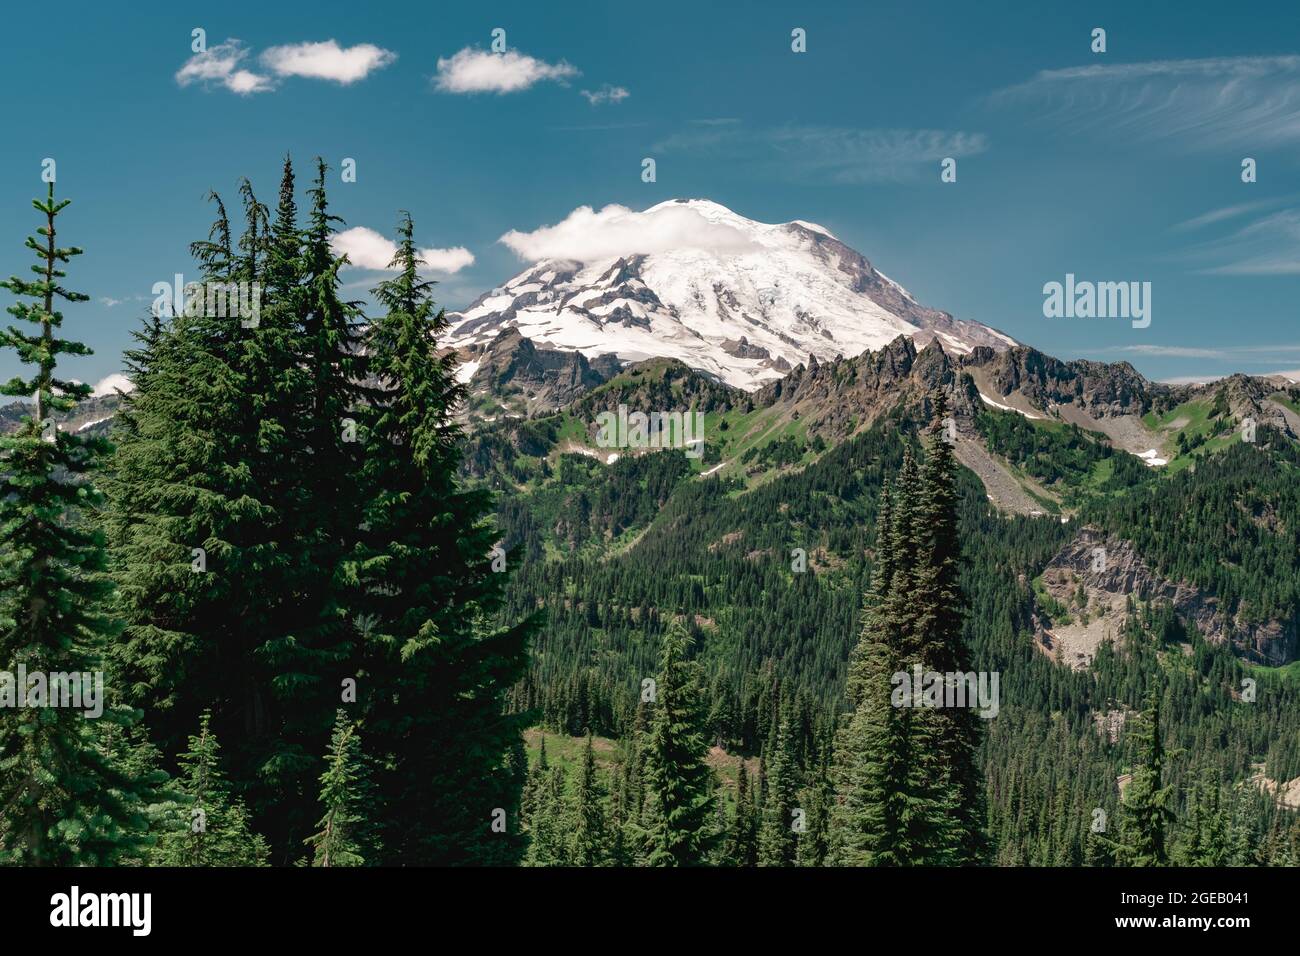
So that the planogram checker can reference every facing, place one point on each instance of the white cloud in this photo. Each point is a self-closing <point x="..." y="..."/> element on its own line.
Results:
<point x="586" y="235"/>
<point x="478" y="71"/>
<point x="108" y="301"/>
<point x="368" y="249"/>
<point x="327" y="61"/>
<point x="1247" y="100"/>
<point x="112" y="383"/>
<point x="220" y="65"/>
<point x="606" y="94"/>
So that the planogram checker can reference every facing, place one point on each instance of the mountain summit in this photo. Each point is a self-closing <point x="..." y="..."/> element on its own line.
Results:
<point x="744" y="301"/>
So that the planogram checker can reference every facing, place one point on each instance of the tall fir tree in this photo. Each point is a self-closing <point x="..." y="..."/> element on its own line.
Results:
<point x="778" y="843"/>
<point x="742" y="842"/>
<point x="436" y="671"/>
<point x="63" y="799"/>
<point x="941" y="646"/>
<point x="1145" y="811"/>
<point x="341" y="839"/>
<point x="192" y="531"/>
<point x="679" y="783"/>
<point x="590" y="833"/>
<point x="908" y="786"/>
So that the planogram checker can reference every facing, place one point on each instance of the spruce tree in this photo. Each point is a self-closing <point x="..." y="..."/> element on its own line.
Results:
<point x="679" y="783"/>
<point x="550" y="818"/>
<point x="814" y="842"/>
<point x="63" y="799"/>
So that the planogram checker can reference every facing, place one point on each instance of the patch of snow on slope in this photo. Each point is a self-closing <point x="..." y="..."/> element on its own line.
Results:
<point x="1008" y="408"/>
<point x="1150" y="457"/>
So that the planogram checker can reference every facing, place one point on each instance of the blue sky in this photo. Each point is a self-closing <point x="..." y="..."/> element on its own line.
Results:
<point x="1115" y="167"/>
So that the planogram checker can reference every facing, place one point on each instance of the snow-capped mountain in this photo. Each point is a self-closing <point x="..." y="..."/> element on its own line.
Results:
<point x="746" y="304"/>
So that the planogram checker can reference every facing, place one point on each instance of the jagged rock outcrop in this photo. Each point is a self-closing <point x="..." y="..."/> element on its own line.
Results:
<point x="512" y="365"/>
<point x="836" y="398"/>
<point x="1121" y="572"/>
<point x="1101" y="389"/>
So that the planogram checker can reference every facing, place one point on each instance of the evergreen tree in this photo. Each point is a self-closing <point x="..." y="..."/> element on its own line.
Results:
<point x="63" y="799"/>
<point x="777" y="840"/>
<point x="210" y="827"/>
<point x="1145" y="811"/>
<point x="590" y="836"/>
<point x="339" y="841"/>
<point x="550" y="817"/>
<point x="192" y="531"/>
<point x="742" y="843"/>
<point x="814" y="842"/>
<point x="899" y="789"/>
<point x="436" y="671"/>
<point x="940" y="642"/>
<point x="679" y="783"/>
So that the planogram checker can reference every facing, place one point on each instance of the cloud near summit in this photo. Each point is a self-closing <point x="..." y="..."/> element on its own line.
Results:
<point x="368" y="249"/>
<point x="586" y="235"/>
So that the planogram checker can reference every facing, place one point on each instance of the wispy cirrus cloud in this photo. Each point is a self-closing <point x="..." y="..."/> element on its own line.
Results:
<point x="1248" y="100"/>
<point x="368" y="249"/>
<point x="1267" y="245"/>
<point x="1255" y="354"/>
<point x="824" y="153"/>
<point x="1224" y="213"/>
<point x="606" y="94"/>
<point x="473" y="70"/>
<point x="327" y="61"/>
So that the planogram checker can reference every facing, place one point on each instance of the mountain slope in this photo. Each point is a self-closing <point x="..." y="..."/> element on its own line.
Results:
<point x="745" y="310"/>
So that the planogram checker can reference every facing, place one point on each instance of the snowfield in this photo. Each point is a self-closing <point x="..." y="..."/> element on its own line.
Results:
<point x="745" y="303"/>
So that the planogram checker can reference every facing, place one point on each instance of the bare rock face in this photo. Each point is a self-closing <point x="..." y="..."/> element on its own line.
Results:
<point x="838" y="397"/>
<point x="1102" y="389"/>
<point x="512" y="365"/>
<point x="743" y="349"/>
<point x="1109" y="570"/>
